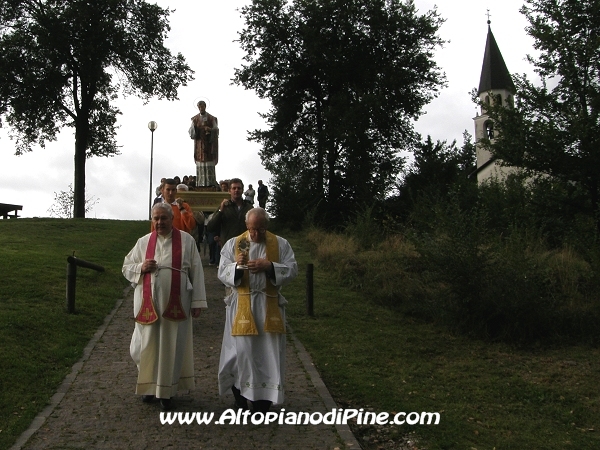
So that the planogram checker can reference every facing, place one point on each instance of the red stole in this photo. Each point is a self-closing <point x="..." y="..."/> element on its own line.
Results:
<point x="174" y="311"/>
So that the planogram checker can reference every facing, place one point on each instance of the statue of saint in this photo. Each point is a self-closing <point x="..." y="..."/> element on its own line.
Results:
<point x="205" y="133"/>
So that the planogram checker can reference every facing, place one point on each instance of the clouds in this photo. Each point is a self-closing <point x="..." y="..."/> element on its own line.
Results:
<point x="204" y="32"/>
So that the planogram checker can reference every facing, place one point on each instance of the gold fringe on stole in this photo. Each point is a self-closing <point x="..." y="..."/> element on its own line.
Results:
<point x="273" y="321"/>
<point x="243" y="324"/>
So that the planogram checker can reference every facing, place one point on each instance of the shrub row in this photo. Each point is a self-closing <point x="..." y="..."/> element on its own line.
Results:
<point x="511" y="287"/>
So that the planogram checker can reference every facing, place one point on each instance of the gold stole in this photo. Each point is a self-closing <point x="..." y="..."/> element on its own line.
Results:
<point x="243" y="324"/>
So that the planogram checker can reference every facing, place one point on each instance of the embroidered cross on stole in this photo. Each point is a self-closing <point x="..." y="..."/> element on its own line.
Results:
<point x="174" y="310"/>
<point x="243" y="324"/>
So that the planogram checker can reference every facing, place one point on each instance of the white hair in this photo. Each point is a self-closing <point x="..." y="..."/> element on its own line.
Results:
<point x="259" y="212"/>
<point x="164" y="206"/>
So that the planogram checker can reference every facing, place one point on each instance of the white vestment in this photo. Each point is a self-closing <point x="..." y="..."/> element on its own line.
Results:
<point x="254" y="364"/>
<point x="163" y="351"/>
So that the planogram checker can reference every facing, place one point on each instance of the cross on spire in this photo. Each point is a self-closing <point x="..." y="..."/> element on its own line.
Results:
<point x="488" y="16"/>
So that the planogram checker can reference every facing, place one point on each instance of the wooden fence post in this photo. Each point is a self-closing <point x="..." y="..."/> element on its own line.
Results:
<point x="73" y="262"/>
<point x="309" y="290"/>
<point x="71" y="282"/>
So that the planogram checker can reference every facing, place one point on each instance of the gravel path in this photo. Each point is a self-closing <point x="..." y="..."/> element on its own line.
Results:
<point x="96" y="406"/>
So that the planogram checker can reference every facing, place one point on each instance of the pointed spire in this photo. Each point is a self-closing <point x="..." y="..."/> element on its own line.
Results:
<point x="494" y="74"/>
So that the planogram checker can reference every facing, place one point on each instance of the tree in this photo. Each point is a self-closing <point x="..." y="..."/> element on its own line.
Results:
<point x="63" y="204"/>
<point x="346" y="79"/>
<point x="438" y="171"/>
<point x="63" y="62"/>
<point x="437" y="166"/>
<point x="554" y="128"/>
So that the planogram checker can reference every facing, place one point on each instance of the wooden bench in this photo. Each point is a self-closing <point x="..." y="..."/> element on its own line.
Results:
<point x="6" y="209"/>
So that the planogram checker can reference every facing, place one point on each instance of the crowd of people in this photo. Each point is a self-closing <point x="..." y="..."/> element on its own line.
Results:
<point x="166" y="270"/>
<point x="198" y="228"/>
<point x="190" y="182"/>
<point x="187" y="180"/>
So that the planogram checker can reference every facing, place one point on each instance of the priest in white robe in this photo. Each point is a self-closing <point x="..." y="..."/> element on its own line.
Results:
<point x="254" y="266"/>
<point x="166" y="271"/>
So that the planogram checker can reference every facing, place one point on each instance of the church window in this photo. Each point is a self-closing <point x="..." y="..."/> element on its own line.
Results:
<point x="489" y="129"/>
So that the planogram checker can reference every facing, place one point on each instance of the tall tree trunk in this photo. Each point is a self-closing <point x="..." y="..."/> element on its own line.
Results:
<point x="320" y="147"/>
<point x="333" y="184"/>
<point x="81" y="140"/>
<point x="595" y="201"/>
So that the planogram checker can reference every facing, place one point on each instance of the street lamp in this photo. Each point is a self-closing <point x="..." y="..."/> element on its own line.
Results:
<point x="151" y="126"/>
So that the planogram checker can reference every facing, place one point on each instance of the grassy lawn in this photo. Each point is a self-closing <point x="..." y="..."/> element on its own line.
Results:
<point x="40" y="341"/>
<point x="489" y="395"/>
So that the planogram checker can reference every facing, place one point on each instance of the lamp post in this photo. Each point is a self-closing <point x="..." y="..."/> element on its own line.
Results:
<point x="151" y="126"/>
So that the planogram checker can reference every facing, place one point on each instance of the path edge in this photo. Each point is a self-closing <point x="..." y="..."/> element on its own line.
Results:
<point x="343" y="430"/>
<point x="55" y="400"/>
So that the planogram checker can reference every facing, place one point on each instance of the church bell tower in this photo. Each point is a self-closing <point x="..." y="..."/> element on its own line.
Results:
<point x="495" y="85"/>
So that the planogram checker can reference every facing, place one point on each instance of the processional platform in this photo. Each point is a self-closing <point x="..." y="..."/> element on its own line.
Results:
<point x="204" y="200"/>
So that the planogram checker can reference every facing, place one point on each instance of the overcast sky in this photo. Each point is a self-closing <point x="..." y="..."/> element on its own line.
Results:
<point x="204" y="32"/>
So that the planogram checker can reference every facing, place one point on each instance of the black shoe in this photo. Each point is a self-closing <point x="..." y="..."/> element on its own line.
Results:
<point x="241" y="404"/>
<point x="262" y="406"/>
<point x="240" y="400"/>
<point x="166" y="404"/>
<point x="148" y="398"/>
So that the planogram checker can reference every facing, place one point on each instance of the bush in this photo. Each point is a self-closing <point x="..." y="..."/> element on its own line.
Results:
<point x="511" y="288"/>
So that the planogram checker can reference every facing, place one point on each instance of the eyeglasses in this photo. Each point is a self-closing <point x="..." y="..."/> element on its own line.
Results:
<point x="259" y="230"/>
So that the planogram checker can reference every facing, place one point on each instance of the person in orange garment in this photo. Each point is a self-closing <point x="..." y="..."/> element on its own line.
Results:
<point x="183" y="217"/>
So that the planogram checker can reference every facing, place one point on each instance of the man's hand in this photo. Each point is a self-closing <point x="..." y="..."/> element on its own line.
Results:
<point x="259" y="265"/>
<point x="149" y="265"/>
<point x="196" y="312"/>
<point x="242" y="259"/>
<point x="224" y="203"/>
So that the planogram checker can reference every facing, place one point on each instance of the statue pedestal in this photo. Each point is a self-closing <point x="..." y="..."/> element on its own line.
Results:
<point x="206" y="201"/>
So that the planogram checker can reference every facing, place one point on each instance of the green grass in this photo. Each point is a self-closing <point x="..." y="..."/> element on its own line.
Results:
<point x="40" y="341"/>
<point x="489" y="395"/>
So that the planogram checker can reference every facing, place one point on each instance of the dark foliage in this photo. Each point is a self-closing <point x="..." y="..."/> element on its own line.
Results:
<point x="345" y="79"/>
<point x="62" y="63"/>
